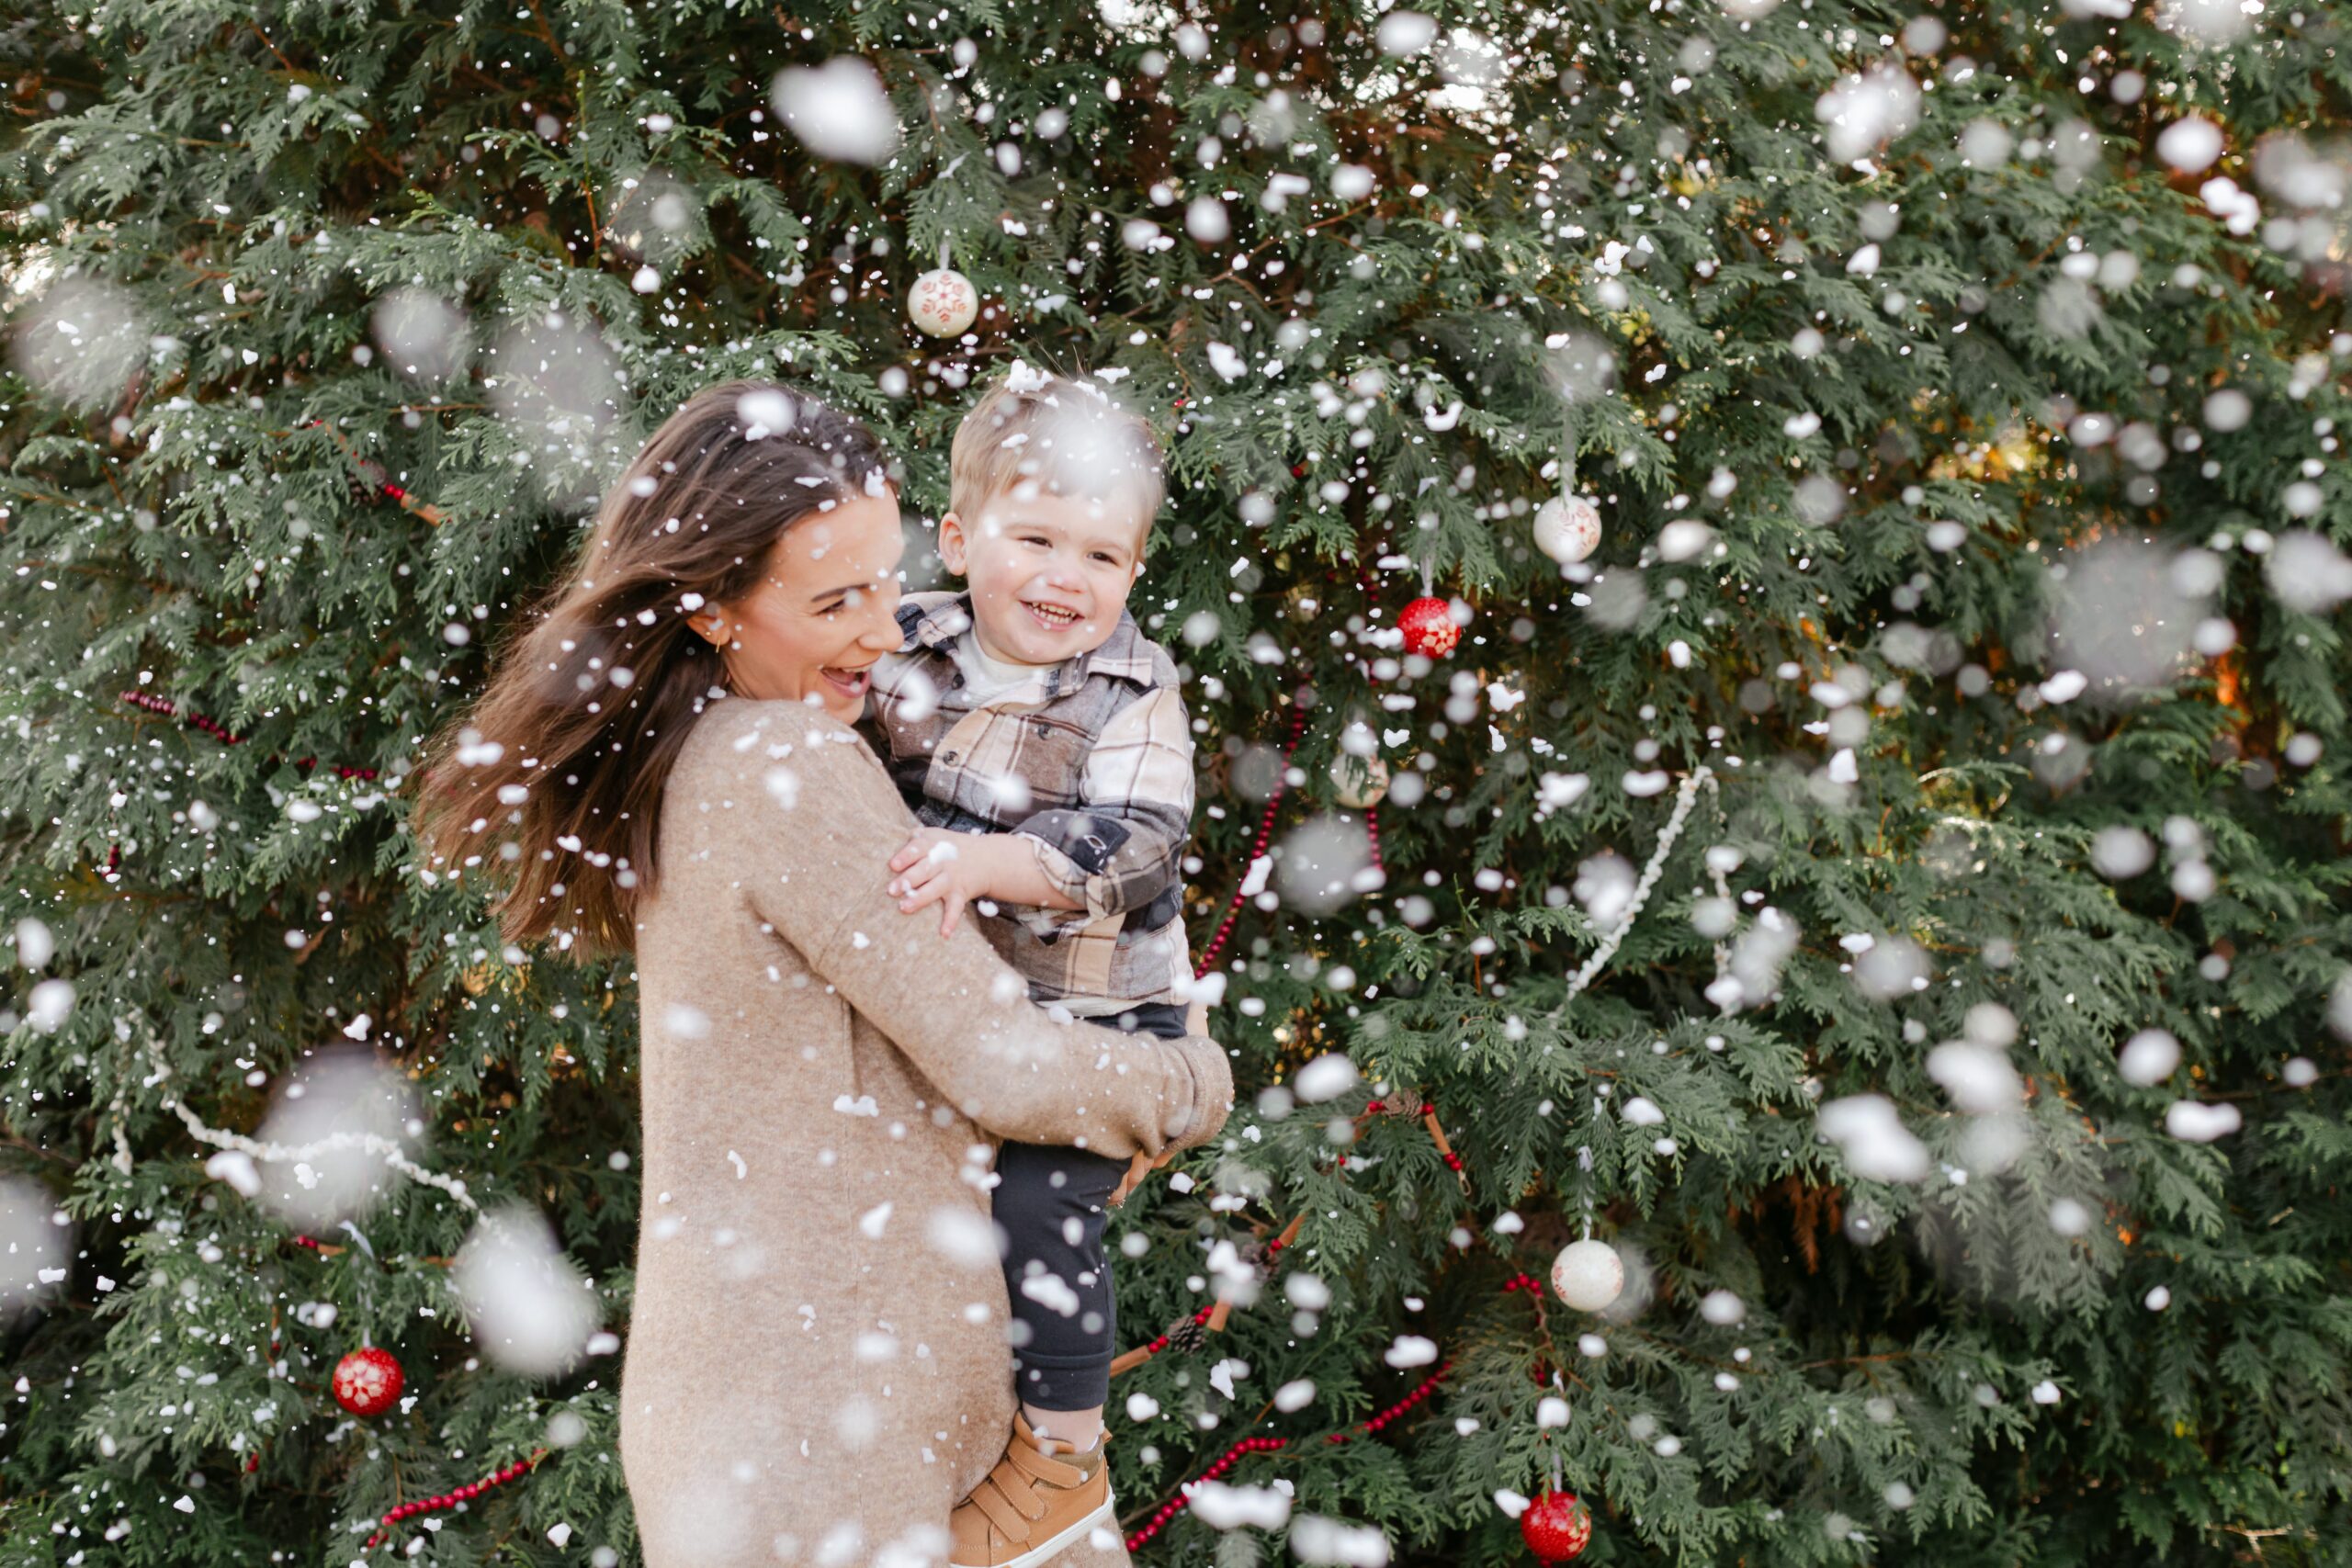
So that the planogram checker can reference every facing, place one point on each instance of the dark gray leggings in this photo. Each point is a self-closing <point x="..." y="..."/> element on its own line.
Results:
<point x="1052" y="1202"/>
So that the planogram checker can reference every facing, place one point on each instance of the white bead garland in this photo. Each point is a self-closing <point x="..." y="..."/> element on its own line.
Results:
<point x="1685" y="798"/>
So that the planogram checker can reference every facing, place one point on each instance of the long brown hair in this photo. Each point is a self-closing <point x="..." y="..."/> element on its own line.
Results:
<point x="549" y="790"/>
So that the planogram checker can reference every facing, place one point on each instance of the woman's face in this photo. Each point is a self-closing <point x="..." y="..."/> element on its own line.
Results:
<point x="821" y="614"/>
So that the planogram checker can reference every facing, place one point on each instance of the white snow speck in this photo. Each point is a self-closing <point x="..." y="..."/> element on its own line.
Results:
<point x="1223" y="1508"/>
<point x="1410" y="1350"/>
<point x="2149" y="1058"/>
<point x="1406" y="32"/>
<point x="839" y="111"/>
<point x="2194" y="1123"/>
<point x="1877" y="1146"/>
<point x="1326" y="1077"/>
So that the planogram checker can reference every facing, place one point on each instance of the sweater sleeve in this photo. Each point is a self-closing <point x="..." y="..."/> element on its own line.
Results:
<point x="815" y="822"/>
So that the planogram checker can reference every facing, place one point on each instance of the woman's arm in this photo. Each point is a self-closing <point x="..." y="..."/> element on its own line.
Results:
<point x="809" y="817"/>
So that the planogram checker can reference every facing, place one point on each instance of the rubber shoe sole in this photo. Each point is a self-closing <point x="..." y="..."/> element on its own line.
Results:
<point x="1037" y="1556"/>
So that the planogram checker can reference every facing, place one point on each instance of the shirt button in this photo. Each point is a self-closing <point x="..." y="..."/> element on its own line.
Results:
<point x="947" y="756"/>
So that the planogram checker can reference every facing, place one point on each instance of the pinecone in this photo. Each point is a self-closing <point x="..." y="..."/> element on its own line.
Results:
<point x="1406" y="1103"/>
<point x="367" y="484"/>
<point x="1187" y="1334"/>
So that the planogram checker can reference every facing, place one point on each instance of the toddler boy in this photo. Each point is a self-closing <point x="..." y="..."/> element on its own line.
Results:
<point x="1041" y="739"/>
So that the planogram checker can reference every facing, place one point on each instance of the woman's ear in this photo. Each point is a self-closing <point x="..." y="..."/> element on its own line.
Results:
<point x="952" y="553"/>
<point x="710" y="626"/>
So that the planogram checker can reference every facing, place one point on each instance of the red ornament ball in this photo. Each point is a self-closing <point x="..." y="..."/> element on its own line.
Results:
<point x="1557" y="1527"/>
<point x="367" y="1382"/>
<point x="1429" y="626"/>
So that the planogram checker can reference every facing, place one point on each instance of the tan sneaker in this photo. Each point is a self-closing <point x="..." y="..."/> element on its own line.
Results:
<point x="1040" y="1499"/>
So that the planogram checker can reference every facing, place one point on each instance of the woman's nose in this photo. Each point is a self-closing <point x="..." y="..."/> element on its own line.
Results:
<point x="881" y="629"/>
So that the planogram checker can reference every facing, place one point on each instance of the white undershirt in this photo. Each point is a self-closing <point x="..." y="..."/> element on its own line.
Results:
<point x="986" y="679"/>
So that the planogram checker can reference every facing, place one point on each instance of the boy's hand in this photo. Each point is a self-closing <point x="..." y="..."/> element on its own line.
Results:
<point x="947" y="869"/>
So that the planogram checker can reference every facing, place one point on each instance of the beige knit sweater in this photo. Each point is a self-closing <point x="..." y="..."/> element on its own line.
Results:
<point x="816" y="1370"/>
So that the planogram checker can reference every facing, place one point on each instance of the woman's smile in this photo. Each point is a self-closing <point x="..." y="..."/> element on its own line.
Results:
<point x="853" y="684"/>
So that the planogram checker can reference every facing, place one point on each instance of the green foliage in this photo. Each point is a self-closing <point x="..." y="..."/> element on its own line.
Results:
<point x="1900" y="495"/>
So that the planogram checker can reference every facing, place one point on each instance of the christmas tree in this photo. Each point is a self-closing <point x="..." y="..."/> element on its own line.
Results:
<point x="1889" y="891"/>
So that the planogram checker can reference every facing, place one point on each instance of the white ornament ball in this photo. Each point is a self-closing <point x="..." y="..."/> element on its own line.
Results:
<point x="1359" y="783"/>
<point x="1588" y="1275"/>
<point x="1567" y="528"/>
<point x="944" y="302"/>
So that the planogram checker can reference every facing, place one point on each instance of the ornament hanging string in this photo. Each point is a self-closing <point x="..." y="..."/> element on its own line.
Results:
<point x="1569" y="453"/>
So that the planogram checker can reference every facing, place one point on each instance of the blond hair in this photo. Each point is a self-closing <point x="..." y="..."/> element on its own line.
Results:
<point x="1065" y="436"/>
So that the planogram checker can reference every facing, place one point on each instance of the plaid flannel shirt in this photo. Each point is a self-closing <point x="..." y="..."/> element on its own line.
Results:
<point x="1091" y="763"/>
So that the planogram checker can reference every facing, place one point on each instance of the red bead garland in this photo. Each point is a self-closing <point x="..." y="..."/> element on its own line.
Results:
<point x="1174" y="1505"/>
<point x="1265" y="836"/>
<point x="1161" y="1342"/>
<point x="466" y="1494"/>
<point x="371" y="473"/>
<point x="226" y="737"/>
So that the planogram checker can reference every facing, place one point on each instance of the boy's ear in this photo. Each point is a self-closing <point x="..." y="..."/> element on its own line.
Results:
<point x="951" y="542"/>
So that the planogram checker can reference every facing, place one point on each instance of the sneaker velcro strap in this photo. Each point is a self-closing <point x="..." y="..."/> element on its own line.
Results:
<point x="1042" y="1467"/>
<point x="1003" y="1512"/>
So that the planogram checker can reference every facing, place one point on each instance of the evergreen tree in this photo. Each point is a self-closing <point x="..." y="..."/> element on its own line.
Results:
<point x="1959" y="392"/>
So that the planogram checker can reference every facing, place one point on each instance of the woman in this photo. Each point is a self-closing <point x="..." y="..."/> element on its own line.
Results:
<point x="816" y="1370"/>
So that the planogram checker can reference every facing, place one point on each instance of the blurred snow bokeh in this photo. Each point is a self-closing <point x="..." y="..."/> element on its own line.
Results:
<point x="529" y="1306"/>
<point x="560" y="392"/>
<point x="2127" y="613"/>
<point x="33" y="1247"/>
<point x="81" y="344"/>
<point x="424" y="337"/>
<point x="1324" y="865"/>
<point x="837" y="109"/>
<point x="342" y="1114"/>
<point x="1870" y="1133"/>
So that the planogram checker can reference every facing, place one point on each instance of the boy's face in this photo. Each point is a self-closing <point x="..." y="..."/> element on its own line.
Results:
<point x="1048" y="574"/>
